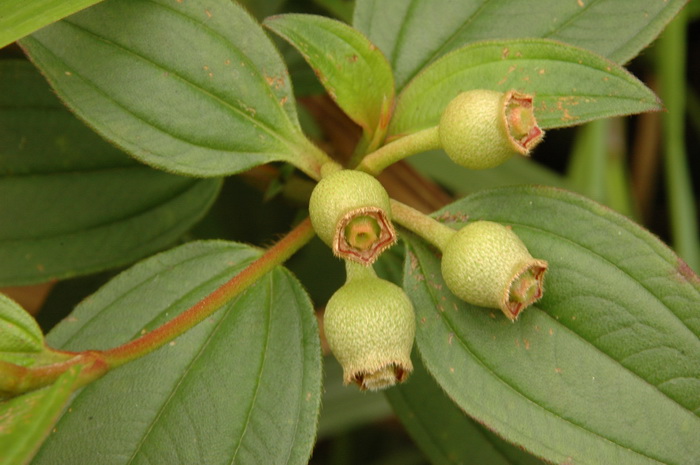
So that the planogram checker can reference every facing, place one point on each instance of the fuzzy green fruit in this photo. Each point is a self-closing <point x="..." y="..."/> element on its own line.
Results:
<point x="370" y="325"/>
<point x="481" y="129"/>
<point x="487" y="264"/>
<point x="350" y="212"/>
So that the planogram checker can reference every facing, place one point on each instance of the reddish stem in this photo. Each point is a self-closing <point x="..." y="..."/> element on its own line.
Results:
<point x="16" y="379"/>
<point x="274" y="256"/>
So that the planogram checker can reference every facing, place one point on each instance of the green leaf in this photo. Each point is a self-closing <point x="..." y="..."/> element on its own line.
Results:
<point x="462" y="181"/>
<point x="413" y="34"/>
<point x="598" y="167"/>
<point x="605" y="368"/>
<point x="191" y="87"/>
<point x="73" y="204"/>
<point x="241" y="387"/>
<point x="21" y="17"/>
<point x="26" y="420"/>
<point x="345" y="407"/>
<point x="571" y="85"/>
<point x="354" y="72"/>
<point x="444" y="433"/>
<point x="18" y="330"/>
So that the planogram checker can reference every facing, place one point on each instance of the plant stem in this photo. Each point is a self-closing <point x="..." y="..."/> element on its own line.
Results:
<point x="15" y="379"/>
<point x="310" y="159"/>
<point x="358" y="271"/>
<point x="684" y="224"/>
<point x="275" y="255"/>
<point x="586" y="169"/>
<point x="370" y="140"/>
<point x="421" y="141"/>
<point x="426" y="227"/>
<point x="618" y="188"/>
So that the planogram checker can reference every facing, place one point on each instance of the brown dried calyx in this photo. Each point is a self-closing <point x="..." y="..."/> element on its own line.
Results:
<point x="362" y="235"/>
<point x="482" y="129"/>
<point x="520" y="121"/>
<point x="370" y="325"/>
<point x="350" y="212"/>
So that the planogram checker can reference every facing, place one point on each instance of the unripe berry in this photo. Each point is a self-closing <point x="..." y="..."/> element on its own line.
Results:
<point x="487" y="264"/>
<point x="350" y="212"/>
<point x="481" y="129"/>
<point x="370" y="325"/>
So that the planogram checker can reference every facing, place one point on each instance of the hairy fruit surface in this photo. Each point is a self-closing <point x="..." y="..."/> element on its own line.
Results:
<point x="370" y="325"/>
<point x="486" y="264"/>
<point x="481" y="129"/>
<point x="350" y="212"/>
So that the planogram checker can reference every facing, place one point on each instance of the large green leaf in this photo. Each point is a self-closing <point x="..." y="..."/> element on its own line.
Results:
<point x="413" y="34"/>
<point x="192" y="87"/>
<point x="571" y="85"/>
<point x="71" y="203"/>
<point x="27" y="419"/>
<point x="462" y="181"/>
<point x="354" y="72"/>
<point x="241" y="387"/>
<point x="443" y="431"/>
<point x="21" y="17"/>
<point x="604" y="369"/>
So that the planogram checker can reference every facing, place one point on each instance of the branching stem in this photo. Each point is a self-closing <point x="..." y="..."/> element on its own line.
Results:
<point x="426" y="227"/>
<point x="421" y="141"/>
<point x="18" y="379"/>
<point x="275" y="255"/>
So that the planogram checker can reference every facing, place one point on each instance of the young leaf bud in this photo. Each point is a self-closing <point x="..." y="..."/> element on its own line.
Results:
<point x="350" y="212"/>
<point x="370" y="326"/>
<point x="481" y="129"/>
<point x="487" y="264"/>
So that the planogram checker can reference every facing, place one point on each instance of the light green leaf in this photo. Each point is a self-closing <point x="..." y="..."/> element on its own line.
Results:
<point x="443" y="432"/>
<point x="241" y="387"/>
<point x="191" y="87"/>
<point x="413" y="34"/>
<point x="604" y="369"/>
<point x="21" y="17"/>
<point x="571" y="85"/>
<point x="71" y="203"/>
<point x="353" y="71"/>
<point x="26" y="420"/>
<point x="18" y="330"/>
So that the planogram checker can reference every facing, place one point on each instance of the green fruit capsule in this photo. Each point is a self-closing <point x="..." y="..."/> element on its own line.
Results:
<point x="370" y="325"/>
<point x="487" y="264"/>
<point x="350" y="212"/>
<point x="481" y="129"/>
